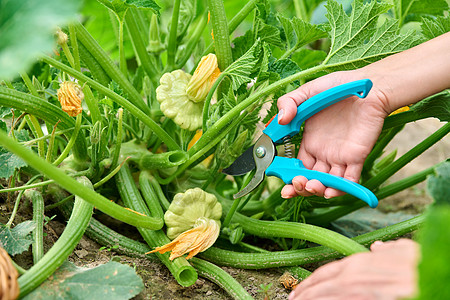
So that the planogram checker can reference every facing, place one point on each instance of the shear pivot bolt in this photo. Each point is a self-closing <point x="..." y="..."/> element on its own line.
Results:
<point x="260" y="152"/>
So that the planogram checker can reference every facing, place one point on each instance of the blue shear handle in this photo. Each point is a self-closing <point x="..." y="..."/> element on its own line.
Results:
<point x="315" y="104"/>
<point x="287" y="168"/>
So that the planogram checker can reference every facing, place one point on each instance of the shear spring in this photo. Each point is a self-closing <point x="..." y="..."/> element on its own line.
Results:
<point x="288" y="147"/>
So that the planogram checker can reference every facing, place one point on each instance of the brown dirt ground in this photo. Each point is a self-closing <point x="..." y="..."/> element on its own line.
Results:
<point x="159" y="284"/>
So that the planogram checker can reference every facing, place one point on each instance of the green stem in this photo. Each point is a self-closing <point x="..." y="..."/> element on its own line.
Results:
<point x="325" y="237"/>
<point x="135" y="111"/>
<point x="74" y="44"/>
<point x="172" y="45"/>
<point x="92" y="104"/>
<point x="235" y="21"/>
<point x="110" y="175"/>
<point x="183" y="272"/>
<point x="221" y="34"/>
<point x="139" y="45"/>
<point x="51" y="143"/>
<point x="300" y="10"/>
<point x="192" y="42"/>
<point x="27" y="186"/>
<point x="16" y="207"/>
<point x="122" y="59"/>
<point x="150" y="196"/>
<point x="221" y="278"/>
<point x="116" y="151"/>
<point x="336" y="213"/>
<point x="208" y="100"/>
<point x="304" y="256"/>
<point x="68" y="54"/>
<point x="408" y="157"/>
<point x="57" y="133"/>
<point x="35" y="127"/>
<point x="76" y="188"/>
<point x="38" y="219"/>
<point x="109" y="67"/>
<point x="59" y="252"/>
<point x="159" y="192"/>
<point x="379" y="147"/>
<point x="71" y="142"/>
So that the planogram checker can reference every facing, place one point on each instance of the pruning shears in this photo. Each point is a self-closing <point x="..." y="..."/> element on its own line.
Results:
<point x="262" y="156"/>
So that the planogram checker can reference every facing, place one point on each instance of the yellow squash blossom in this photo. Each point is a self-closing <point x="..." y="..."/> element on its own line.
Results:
<point x="70" y="96"/>
<point x="181" y="95"/>
<point x="193" y="222"/>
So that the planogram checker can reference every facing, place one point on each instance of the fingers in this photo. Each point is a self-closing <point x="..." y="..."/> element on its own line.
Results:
<point x="288" y="103"/>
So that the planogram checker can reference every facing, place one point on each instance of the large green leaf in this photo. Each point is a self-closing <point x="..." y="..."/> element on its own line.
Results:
<point x="356" y="40"/>
<point x="112" y="281"/>
<point x="18" y="239"/>
<point x="120" y="6"/>
<point x="436" y="106"/>
<point x="240" y="70"/>
<point x="299" y="33"/>
<point x="432" y="28"/>
<point x="27" y="29"/>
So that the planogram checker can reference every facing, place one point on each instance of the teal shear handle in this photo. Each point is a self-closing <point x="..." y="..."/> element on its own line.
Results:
<point x="315" y="104"/>
<point x="287" y="168"/>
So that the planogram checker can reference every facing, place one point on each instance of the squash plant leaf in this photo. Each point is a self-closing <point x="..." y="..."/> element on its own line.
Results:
<point x="240" y="69"/>
<point x="17" y="239"/>
<point x="120" y="6"/>
<point x="9" y="162"/>
<point x="27" y="30"/>
<point x="112" y="281"/>
<point x="357" y="41"/>
<point x="299" y="33"/>
<point x="437" y="106"/>
<point x="432" y="28"/>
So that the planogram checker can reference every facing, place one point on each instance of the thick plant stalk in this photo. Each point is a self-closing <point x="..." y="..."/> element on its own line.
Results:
<point x="76" y="188"/>
<point x="325" y="237"/>
<point x="172" y="45"/>
<point x="81" y="214"/>
<point x="183" y="272"/>
<point x="38" y="219"/>
<point x="139" y="45"/>
<point x="304" y="256"/>
<point x="220" y="32"/>
<point x="150" y="195"/>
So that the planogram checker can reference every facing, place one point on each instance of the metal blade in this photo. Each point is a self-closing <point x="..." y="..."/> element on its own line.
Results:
<point x="242" y="165"/>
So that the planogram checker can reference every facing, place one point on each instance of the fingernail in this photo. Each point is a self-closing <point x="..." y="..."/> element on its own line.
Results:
<point x="280" y="115"/>
<point x="310" y="190"/>
<point x="378" y="243"/>
<point x="291" y="295"/>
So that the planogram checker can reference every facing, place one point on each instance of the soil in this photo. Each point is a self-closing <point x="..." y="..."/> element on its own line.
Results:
<point x="159" y="283"/>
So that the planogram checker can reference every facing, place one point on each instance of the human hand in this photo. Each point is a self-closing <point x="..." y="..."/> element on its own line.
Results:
<point x="389" y="271"/>
<point x="338" y="139"/>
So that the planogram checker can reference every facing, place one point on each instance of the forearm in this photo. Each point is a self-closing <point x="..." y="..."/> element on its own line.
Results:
<point x="414" y="74"/>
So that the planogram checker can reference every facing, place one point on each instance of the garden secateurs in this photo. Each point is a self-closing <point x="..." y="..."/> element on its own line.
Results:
<point x="262" y="155"/>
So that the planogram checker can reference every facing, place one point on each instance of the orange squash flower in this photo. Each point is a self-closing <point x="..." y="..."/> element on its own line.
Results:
<point x="70" y="96"/>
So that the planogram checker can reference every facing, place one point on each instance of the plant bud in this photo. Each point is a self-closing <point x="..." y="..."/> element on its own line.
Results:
<point x="61" y="37"/>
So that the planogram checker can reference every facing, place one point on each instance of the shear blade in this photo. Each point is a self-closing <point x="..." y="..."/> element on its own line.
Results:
<point x="242" y="165"/>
